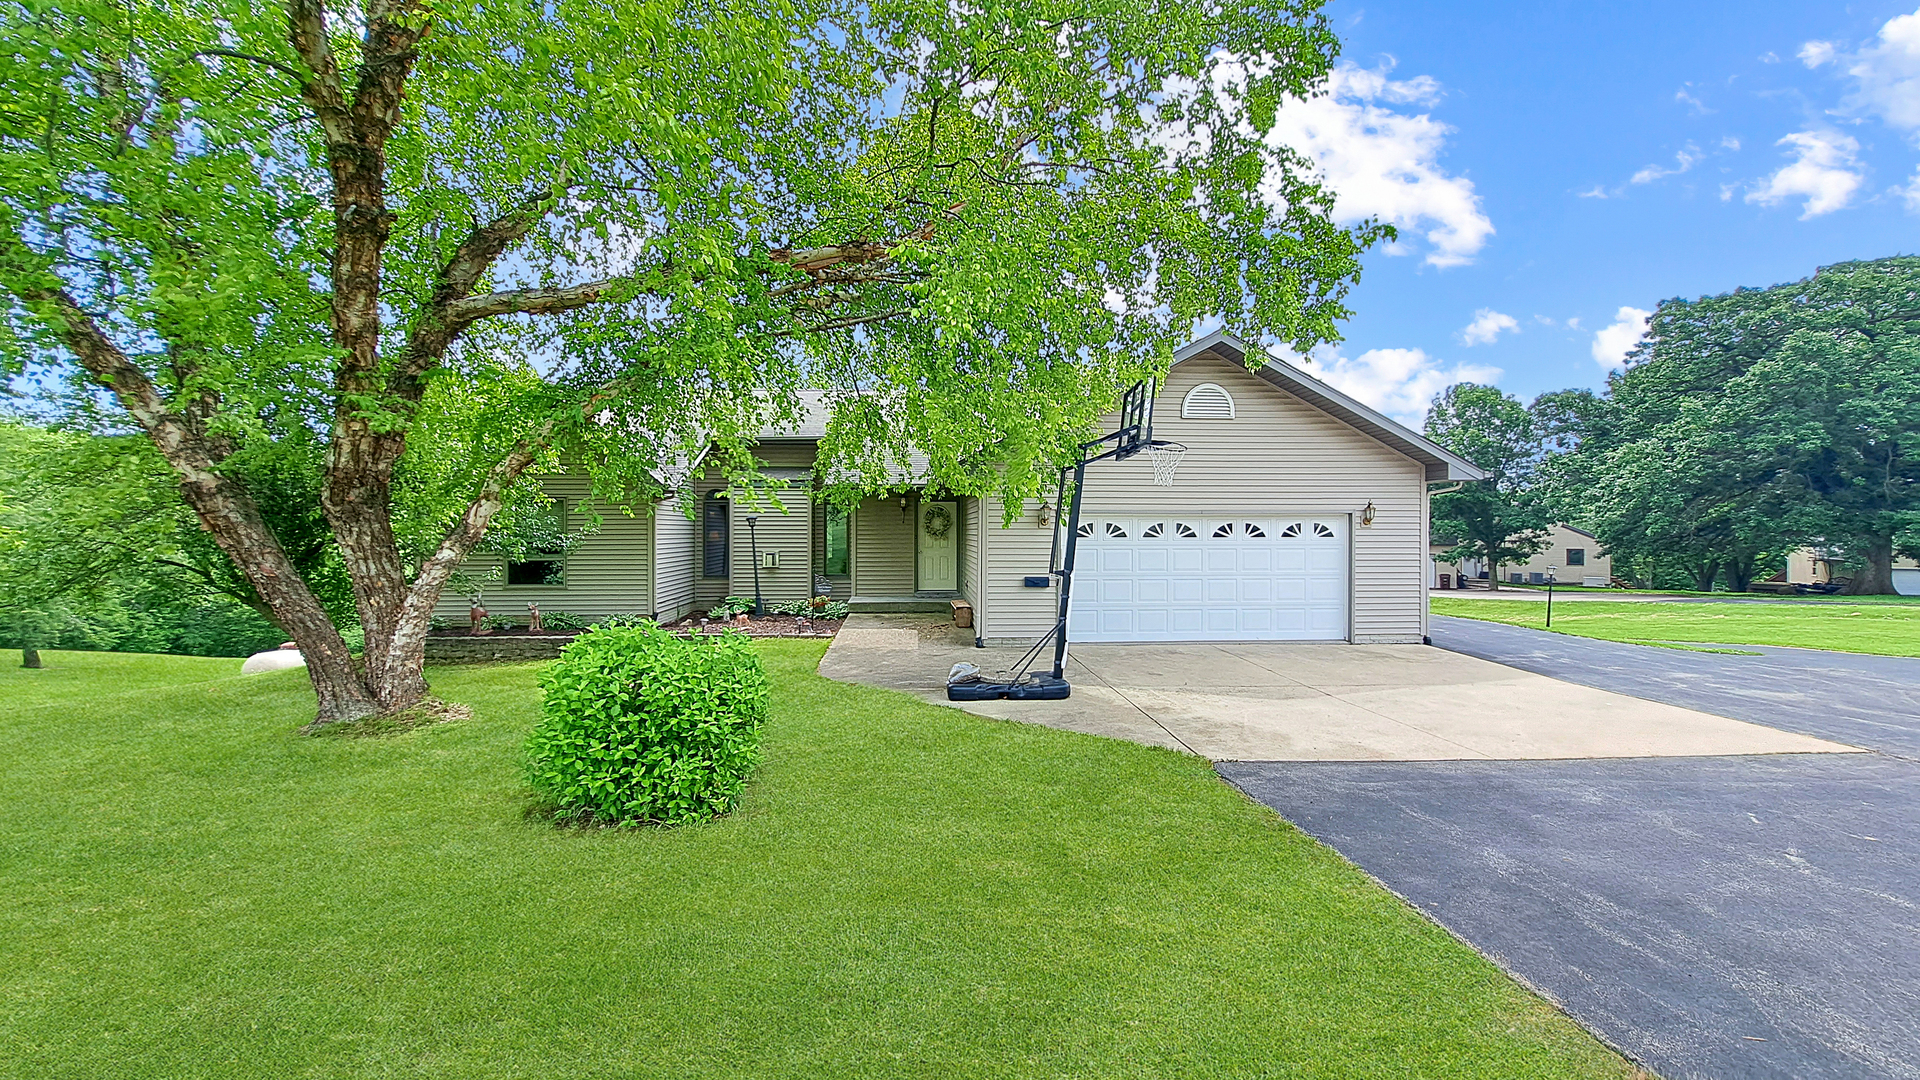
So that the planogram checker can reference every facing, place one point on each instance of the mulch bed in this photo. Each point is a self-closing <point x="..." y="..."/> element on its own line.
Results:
<point x="784" y="626"/>
<point x="760" y="626"/>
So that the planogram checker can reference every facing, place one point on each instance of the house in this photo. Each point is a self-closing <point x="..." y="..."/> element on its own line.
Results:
<point x="1821" y="566"/>
<point x="1298" y="514"/>
<point x="1572" y="555"/>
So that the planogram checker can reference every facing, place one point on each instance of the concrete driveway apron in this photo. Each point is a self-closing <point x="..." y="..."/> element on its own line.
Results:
<point x="1275" y="701"/>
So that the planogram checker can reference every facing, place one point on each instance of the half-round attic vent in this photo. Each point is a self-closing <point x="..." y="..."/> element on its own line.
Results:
<point x="1207" y="401"/>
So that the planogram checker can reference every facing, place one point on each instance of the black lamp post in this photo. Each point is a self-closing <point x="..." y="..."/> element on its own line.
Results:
<point x="753" y="548"/>
<point x="1552" y="572"/>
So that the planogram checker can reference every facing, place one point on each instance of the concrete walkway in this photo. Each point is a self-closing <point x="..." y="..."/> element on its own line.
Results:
<point x="1293" y="702"/>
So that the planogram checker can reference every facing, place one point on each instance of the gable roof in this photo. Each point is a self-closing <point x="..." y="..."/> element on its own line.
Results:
<point x="1441" y="463"/>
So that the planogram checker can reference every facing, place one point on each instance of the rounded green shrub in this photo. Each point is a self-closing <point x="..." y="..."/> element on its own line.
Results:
<point x="642" y="726"/>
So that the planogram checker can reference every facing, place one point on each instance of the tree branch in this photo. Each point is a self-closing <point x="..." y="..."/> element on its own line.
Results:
<point x="437" y="328"/>
<point x="527" y="302"/>
<point x="285" y="69"/>
<point x="842" y="324"/>
<point x="307" y="32"/>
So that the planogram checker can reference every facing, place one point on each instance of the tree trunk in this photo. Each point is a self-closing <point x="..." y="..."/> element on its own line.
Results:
<point x="358" y="500"/>
<point x="30" y="657"/>
<point x="1740" y="574"/>
<point x="1876" y="577"/>
<point x="1703" y="575"/>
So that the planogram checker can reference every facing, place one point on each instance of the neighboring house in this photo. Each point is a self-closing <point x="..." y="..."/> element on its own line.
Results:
<point x="1816" y="566"/>
<point x="1573" y="555"/>
<point x="1299" y="514"/>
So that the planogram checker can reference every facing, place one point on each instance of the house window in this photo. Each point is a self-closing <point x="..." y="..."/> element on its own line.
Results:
<point x="837" y="548"/>
<point x="714" y="536"/>
<point x="543" y="565"/>
<point x="1576" y="556"/>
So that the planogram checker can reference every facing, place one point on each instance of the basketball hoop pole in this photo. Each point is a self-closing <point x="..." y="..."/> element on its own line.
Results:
<point x="1135" y="434"/>
<point x="1128" y="441"/>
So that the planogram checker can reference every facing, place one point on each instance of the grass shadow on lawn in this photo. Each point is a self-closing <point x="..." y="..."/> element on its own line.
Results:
<point x="906" y="891"/>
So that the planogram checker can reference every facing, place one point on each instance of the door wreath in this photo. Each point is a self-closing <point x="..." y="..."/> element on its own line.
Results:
<point x="938" y="522"/>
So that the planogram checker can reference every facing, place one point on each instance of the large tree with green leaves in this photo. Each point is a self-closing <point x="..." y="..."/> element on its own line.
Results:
<point x="1764" y="418"/>
<point x="1501" y="519"/>
<point x="618" y="232"/>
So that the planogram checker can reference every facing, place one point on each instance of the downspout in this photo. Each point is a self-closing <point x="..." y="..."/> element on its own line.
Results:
<point x="1426" y="531"/>
<point x="980" y="574"/>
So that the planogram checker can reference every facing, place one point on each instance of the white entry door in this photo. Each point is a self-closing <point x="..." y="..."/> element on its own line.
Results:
<point x="1169" y="578"/>
<point x="939" y="562"/>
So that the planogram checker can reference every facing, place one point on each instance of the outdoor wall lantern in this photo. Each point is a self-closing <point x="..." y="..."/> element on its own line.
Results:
<point x="1366" y="513"/>
<point x="1046" y="514"/>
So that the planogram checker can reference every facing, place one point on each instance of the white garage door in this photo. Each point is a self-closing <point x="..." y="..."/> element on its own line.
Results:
<point x="1210" y="579"/>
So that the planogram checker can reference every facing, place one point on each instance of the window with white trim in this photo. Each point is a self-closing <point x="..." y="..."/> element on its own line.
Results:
<point x="1207" y="401"/>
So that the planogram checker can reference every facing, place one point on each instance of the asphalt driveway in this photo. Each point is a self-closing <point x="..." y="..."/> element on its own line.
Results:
<point x="1868" y="701"/>
<point x="1711" y="917"/>
<point x="1739" y="916"/>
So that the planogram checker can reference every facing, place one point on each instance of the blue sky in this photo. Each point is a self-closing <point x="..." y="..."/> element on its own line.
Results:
<point x="1553" y="163"/>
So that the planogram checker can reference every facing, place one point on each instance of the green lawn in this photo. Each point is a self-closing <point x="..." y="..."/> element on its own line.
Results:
<point x="193" y="890"/>
<point x="1887" y="629"/>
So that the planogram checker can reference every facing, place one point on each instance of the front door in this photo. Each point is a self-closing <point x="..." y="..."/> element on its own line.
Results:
<point x="939" y="564"/>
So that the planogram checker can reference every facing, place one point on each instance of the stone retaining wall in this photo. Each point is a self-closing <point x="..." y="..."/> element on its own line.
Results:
<point x="473" y="650"/>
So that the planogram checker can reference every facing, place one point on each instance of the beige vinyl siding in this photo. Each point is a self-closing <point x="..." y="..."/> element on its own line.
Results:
<point x="882" y="549"/>
<point x="607" y="571"/>
<point x="675" y="547"/>
<point x="1278" y="456"/>
<point x="787" y="533"/>
<point x="1015" y="613"/>
<point x="970" y="541"/>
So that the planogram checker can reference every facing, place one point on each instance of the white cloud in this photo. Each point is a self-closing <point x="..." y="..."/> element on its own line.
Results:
<point x="1694" y="105"/>
<point x="1910" y="193"/>
<point x="1886" y="75"/>
<point x="1683" y="160"/>
<point x="1385" y="163"/>
<point x="1729" y="143"/>
<point x="1594" y="192"/>
<point x="1815" y="53"/>
<point x="1612" y="343"/>
<point x="1769" y="57"/>
<point x="1398" y="382"/>
<point x="1823" y="171"/>
<point x="1573" y="323"/>
<point x="1487" y="326"/>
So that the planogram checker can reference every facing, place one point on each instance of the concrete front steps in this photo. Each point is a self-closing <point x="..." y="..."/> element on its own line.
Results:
<point x="903" y="605"/>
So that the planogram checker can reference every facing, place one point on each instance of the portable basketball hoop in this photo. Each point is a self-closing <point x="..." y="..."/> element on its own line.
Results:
<point x="1133" y="435"/>
<point x="1165" y="457"/>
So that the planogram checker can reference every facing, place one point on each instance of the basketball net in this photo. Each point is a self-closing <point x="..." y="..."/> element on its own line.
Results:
<point x="1166" y="461"/>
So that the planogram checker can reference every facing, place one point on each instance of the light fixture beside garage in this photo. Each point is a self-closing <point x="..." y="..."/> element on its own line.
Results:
<point x="1366" y="513"/>
<point x="1046" y="514"/>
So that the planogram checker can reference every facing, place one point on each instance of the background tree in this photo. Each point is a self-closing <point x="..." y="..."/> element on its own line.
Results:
<point x="1768" y="418"/>
<point x="618" y="232"/>
<point x="99" y="552"/>
<point x="1502" y="519"/>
